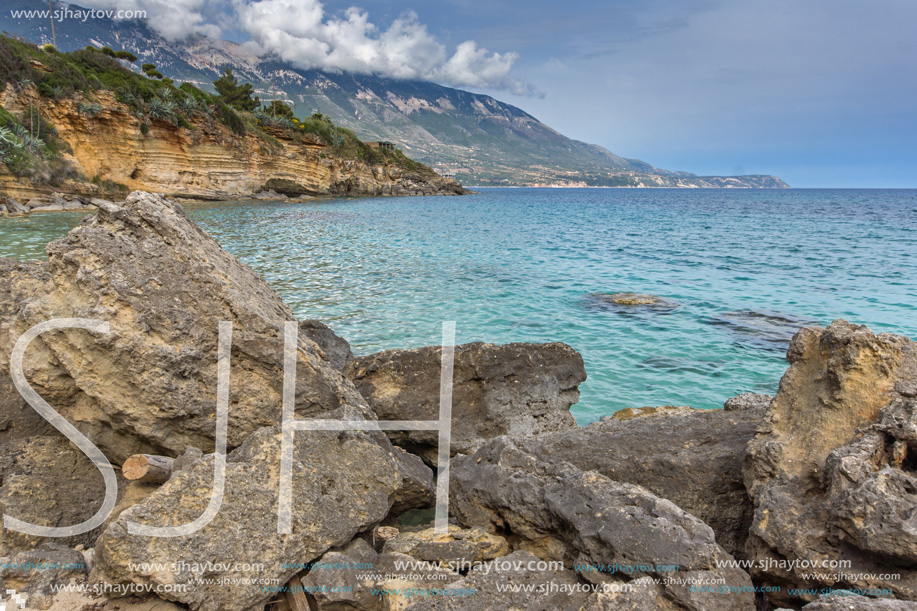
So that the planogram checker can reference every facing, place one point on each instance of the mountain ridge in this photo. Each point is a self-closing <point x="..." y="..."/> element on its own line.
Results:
<point x="476" y="138"/>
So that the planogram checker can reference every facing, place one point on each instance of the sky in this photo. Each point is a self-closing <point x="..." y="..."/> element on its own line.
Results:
<point x="819" y="92"/>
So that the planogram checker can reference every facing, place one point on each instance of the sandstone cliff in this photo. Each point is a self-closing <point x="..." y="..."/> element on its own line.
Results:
<point x="204" y="161"/>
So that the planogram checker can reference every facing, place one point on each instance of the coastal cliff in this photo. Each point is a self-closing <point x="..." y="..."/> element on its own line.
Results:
<point x="203" y="160"/>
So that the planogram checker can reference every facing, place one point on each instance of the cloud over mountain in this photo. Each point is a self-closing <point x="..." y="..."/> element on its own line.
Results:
<point x="302" y="33"/>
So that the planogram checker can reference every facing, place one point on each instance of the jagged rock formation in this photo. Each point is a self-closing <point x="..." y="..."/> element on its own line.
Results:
<point x="832" y="470"/>
<point x="559" y="512"/>
<point x="692" y="457"/>
<point x="515" y="389"/>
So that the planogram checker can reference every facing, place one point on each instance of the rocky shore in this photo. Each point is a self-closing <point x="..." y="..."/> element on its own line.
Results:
<point x="805" y="500"/>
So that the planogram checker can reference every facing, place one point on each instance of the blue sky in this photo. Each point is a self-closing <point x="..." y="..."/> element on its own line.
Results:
<point x="821" y="93"/>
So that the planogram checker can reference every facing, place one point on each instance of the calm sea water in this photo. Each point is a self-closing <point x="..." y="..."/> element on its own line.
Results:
<point x="745" y="268"/>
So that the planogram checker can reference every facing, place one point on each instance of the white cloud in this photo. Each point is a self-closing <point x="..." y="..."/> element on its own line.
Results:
<point x="173" y="19"/>
<point x="301" y="33"/>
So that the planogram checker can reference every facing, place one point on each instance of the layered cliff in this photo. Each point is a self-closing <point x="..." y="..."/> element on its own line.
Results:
<point x="203" y="159"/>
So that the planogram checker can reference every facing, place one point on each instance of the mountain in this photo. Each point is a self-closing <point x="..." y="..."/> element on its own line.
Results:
<point x="479" y="139"/>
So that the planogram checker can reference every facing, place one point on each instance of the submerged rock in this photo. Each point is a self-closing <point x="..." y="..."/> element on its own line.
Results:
<point x="163" y="284"/>
<point x="628" y="300"/>
<point x="692" y="457"/>
<point x="343" y="484"/>
<point x="832" y="470"/>
<point x="588" y="520"/>
<point x="761" y="330"/>
<point x="515" y="389"/>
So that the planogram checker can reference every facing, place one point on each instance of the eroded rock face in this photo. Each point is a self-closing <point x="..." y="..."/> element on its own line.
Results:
<point x="163" y="285"/>
<point x="343" y="483"/>
<point x="417" y="490"/>
<point x="832" y="470"/>
<point x="692" y="457"/>
<point x="514" y="389"/>
<point x="587" y="520"/>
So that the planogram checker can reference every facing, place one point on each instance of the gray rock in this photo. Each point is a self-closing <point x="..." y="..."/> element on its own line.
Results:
<point x="515" y="389"/>
<point x="831" y="470"/>
<point x="22" y="280"/>
<point x="417" y="490"/>
<point x="35" y="203"/>
<point x="855" y="602"/>
<point x="747" y="400"/>
<point x="163" y="284"/>
<point x="692" y="457"/>
<point x="585" y="519"/>
<point x="334" y="347"/>
<point x="343" y="484"/>
<point x="15" y="206"/>
<point x="95" y="201"/>
<point x="568" y="595"/>
<point x="55" y="207"/>
<point x="350" y="578"/>
<point x="459" y="547"/>
<point x="45" y="481"/>
<point x="39" y="571"/>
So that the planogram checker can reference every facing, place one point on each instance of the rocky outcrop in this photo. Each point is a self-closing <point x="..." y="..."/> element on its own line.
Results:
<point x="691" y="457"/>
<point x="163" y="284"/>
<point x="591" y="522"/>
<point x="208" y="161"/>
<point x="343" y="483"/>
<point x="514" y="389"/>
<point x="832" y="470"/>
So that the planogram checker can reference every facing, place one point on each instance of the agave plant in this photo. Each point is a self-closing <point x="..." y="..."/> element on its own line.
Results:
<point x="164" y="111"/>
<point x="89" y="109"/>
<point x="188" y="105"/>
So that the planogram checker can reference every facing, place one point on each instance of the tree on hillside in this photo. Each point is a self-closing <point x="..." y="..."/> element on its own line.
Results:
<point x="235" y="94"/>
<point x="278" y="109"/>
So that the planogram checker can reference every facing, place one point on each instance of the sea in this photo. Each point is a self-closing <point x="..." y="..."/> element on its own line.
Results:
<point x="738" y="272"/>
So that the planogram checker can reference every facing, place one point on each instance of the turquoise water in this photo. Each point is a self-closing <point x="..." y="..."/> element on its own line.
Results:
<point x="746" y="269"/>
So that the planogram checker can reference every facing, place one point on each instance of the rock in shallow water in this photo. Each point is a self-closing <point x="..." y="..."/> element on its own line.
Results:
<point x="624" y="301"/>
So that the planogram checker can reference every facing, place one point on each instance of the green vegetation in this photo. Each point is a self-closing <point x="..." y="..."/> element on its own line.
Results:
<point x="235" y="94"/>
<point x="32" y="149"/>
<point x="278" y="109"/>
<point x="30" y="146"/>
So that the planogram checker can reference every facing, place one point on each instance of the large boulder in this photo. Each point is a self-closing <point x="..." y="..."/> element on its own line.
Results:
<point x="343" y="483"/>
<point x="514" y="389"/>
<point x="163" y="284"/>
<point x="593" y="523"/>
<point x="833" y="469"/>
<point x="692" y="457"/>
